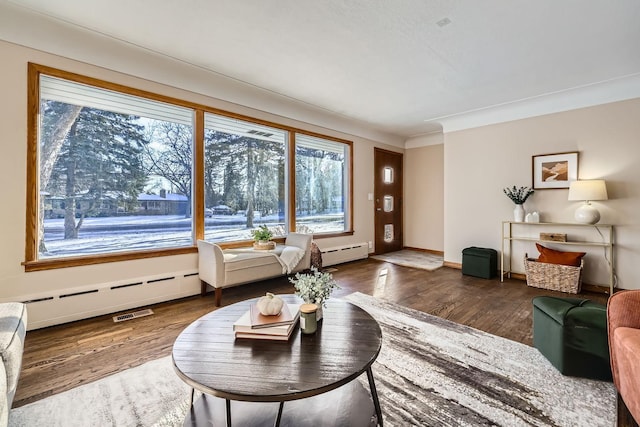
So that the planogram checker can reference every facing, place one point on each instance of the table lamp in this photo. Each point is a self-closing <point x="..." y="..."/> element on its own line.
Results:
<point x="586" y="191"/>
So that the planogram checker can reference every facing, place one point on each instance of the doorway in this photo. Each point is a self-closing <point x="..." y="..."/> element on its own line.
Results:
<point x="387" y="195"/>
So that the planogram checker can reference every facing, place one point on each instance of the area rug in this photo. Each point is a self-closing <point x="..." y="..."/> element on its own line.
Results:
<point x="433" y="372"/>
<point x="147" y="395"/>
<point x="411" y="258"/>
<point x="430" y="372"/>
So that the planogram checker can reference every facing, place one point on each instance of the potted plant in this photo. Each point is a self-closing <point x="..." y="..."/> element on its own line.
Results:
<point x="518" y="195"/>
<point x="314" y="287"/>
<point x="262" y="234"/>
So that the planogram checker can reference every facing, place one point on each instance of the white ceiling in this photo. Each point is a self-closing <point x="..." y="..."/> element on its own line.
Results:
<point x="389" y="63"/>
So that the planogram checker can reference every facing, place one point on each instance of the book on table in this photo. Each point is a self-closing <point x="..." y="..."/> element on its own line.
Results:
<point x="276" y="330"/>
<point x="259" y="320"/>
<point x="255" y="336"/>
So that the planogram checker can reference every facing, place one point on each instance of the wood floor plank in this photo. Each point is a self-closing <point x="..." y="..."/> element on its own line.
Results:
<point x="61" y="357"/>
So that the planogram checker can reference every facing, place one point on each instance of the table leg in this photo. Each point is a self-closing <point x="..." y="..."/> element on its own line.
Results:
<point x="374" y="395"/>
<point x="279" y="417"/>
<point x="193" y="392"/>
<point x="228" y="404"/>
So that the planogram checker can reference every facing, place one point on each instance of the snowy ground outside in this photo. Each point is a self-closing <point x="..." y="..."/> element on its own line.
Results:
<point x="127" y="233"/>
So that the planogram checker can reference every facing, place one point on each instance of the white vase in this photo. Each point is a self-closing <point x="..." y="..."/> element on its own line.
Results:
<point x="319" y="313"/>
<point x="518" y="213"/>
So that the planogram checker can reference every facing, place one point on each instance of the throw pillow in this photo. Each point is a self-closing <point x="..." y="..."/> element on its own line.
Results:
<point x="316" y="256"/>
<point x="553" y="256"/>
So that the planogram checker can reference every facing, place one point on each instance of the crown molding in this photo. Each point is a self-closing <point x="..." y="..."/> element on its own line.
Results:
<point x="620" y="89"/>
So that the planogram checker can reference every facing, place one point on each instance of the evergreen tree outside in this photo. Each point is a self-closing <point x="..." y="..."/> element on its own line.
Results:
<point x="244" y="173"/>
<point x="99" y="164"/>
<point x="116" y="173"/>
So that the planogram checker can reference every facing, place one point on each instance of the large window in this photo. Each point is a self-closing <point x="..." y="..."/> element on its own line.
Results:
<point x="119" y="173"/>
<point x="322" y="193"/>
<point x="244" y="178"/>
<point x="115" y="171"/>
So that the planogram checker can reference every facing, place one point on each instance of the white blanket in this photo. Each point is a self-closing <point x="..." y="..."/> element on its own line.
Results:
<point x="290" y="257"/>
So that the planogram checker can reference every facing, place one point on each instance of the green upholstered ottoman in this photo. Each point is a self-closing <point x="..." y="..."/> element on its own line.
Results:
<point x="480" y="262"/>
<point x="572" y="334"/>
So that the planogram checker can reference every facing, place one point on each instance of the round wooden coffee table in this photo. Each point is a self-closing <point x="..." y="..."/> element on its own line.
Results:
<point x="248" y="381"/>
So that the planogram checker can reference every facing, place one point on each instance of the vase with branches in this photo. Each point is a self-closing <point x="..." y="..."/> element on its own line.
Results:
<point x="314" y="287"/>
<point x="518" y="195"/>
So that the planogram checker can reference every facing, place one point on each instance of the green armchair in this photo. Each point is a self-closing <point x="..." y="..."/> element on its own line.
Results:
<point x="572" y="334"/>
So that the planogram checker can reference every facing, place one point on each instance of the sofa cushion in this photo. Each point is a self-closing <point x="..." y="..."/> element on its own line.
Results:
<point x="242" y="260"/>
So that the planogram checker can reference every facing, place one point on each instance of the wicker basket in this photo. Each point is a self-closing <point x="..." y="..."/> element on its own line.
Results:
<point x="555" y="277"/>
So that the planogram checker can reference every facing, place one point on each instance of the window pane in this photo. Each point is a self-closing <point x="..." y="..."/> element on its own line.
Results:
<point x="388" y="233"/>
<point x="115" y="172"/>
<point x="321" y="185"/>
<point x="388" y="176"/>
<point x="244" y="178"/>
<point x="388" y="203"/>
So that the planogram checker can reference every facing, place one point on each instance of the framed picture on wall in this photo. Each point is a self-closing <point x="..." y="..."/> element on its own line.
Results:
<point x="554" y="170"/>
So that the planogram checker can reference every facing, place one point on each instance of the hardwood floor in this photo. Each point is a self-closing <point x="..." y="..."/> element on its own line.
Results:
<point x="62" y="357"/>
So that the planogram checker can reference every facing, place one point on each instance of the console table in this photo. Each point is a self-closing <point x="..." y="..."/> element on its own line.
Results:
<point x="305" y="381"/>
<point x="604" y="231"/>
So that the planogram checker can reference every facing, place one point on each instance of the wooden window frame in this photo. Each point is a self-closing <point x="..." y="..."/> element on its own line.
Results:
<point x="32" y="263"/>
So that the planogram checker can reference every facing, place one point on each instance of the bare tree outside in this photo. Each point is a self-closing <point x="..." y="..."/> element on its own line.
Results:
<point x="119" y="178"/>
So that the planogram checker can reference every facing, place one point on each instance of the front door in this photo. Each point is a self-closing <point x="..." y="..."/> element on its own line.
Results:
<point x="388" y="201"/>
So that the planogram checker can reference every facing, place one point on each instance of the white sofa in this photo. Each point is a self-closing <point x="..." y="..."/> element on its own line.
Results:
<point x="231" y="267"/>
<point x="13" y="328"/>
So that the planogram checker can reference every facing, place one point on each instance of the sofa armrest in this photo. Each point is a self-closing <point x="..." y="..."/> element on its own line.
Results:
<point x="5" y="405"/>
<point x="302" y="241"/>
<point x="623" y="315"/>
<point x="211" y="264"/>
<point x="623" y="309"/>
<point x="13" y="329"/>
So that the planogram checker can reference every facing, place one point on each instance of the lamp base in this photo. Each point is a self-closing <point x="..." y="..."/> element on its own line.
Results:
<point x="587" y="214"/>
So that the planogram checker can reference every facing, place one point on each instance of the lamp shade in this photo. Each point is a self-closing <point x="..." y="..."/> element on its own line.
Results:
<point x="594" y="189"/>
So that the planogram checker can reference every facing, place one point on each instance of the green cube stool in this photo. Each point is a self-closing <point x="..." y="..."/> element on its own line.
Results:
<point x="572" y="334"/>
<point x="480" y="262"/>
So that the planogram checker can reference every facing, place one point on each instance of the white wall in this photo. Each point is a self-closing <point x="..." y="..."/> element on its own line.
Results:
<point x="15" y="284"/>
<point x="424" y="197"/>
<point x="480" y="162"/>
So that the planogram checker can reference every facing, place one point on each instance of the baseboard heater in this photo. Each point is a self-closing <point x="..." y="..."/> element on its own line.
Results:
<point x="67" y="305"/>
<point x="339" y="254"/>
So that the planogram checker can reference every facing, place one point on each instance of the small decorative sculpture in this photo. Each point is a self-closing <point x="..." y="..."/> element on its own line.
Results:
<point x="270" y="305"/>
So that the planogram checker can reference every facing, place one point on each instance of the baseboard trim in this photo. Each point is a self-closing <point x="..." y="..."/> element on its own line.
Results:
<point x="518" y="276"/>
<point x="598" y="289"/>
<point x="429" y="251"/>
<point x="455" y="265"/>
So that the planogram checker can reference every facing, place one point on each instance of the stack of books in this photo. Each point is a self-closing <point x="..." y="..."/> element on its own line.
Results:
<point x="254" y="325"/>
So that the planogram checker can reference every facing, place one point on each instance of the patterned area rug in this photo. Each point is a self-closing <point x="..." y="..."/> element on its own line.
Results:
<point x="411" y="258"/>
<point x="433" y="372"/>
<point x="430" y="372"/>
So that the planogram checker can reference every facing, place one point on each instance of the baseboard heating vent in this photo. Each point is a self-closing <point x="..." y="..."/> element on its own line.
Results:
<point x="134" y="315"/>
<point x="162" y="279"/>
<point x="75" y="294"/>
<point x="37" y="300"/>
<point x="128" y="285"/>
<point x="346" y="253"/>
